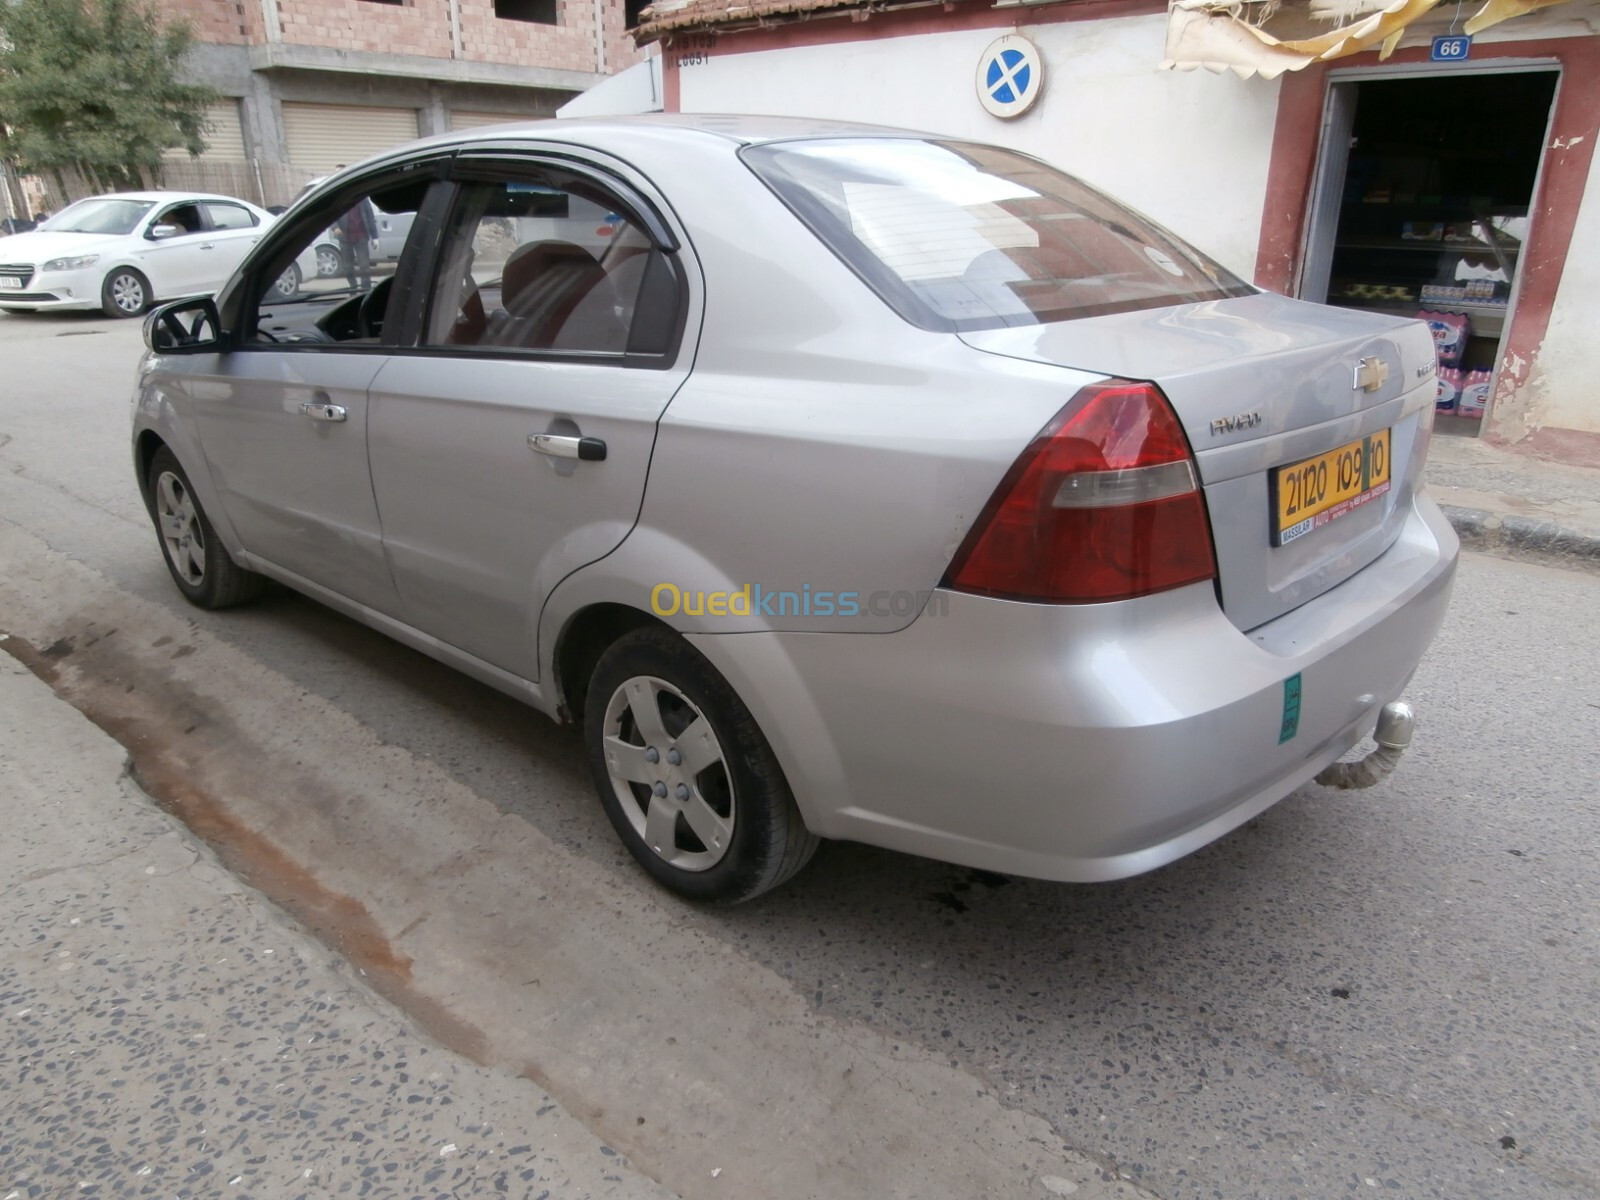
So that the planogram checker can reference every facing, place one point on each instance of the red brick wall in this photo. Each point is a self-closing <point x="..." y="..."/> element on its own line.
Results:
<point x="420" y="27"/>
<point x="568" y="46"/>
<point x="620" y="50"/>
<point x="225" y="21"/>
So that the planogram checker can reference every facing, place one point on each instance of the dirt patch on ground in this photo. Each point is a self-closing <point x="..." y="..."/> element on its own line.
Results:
<point x="182" y="754"/>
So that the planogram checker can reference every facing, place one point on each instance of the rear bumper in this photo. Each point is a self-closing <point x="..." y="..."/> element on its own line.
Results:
<point x="1085" y="742"/>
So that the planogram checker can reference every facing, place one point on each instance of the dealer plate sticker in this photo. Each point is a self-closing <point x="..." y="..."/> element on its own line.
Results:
<point x="1291" y="709"/>
<point x="1308" y="494"/>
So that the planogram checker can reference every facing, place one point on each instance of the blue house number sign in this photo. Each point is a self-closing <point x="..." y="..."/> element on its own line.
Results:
<point x="1451" y="47"/>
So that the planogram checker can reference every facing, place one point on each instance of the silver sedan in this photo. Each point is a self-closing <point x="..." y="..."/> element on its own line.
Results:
<point x="840" y="482"/>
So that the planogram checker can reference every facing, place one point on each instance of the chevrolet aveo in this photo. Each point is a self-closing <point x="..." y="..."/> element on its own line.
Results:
<point x="840" y="482"/>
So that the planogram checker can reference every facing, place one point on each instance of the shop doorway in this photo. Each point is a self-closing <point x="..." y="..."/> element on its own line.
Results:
<point x="1421" y="207"/>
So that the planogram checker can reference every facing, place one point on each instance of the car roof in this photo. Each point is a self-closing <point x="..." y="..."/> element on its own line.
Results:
<point x="744" y="128"/>
<point x="670" y="132"/>
<point x="158" y="196"/>
<point x="668" y="129"/>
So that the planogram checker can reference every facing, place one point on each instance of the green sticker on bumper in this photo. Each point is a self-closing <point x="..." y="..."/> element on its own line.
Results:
<point x="1291" y="709"/>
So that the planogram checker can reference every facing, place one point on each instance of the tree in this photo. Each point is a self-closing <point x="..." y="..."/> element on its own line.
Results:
<point x="92" y="88"/>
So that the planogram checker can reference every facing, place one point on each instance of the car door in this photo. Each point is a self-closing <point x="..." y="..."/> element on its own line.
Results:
<point x="283" y="417"/>
<point x="509" y="446"/>
<point x="234" y="229"/>
<point x="179" y="264"/>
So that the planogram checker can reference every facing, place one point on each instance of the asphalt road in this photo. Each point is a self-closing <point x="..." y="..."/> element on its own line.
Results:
<point x="1391" y="991"/>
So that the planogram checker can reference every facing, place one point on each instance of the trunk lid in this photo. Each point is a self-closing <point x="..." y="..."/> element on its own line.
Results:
<point x="1260" y="383"/>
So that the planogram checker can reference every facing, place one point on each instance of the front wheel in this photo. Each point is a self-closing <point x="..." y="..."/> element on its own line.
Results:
<point x="200" y="565"/>
<point x="686" y="776"/>
<point x="125" y="293"/>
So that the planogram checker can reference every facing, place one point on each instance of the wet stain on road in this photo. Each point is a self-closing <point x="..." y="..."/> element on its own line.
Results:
<point x="156" y="722"/>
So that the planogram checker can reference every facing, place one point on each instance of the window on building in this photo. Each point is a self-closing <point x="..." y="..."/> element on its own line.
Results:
<point x="396" y="3"/>
<point x="631" y="10"/>
<point x="540" y="12"/>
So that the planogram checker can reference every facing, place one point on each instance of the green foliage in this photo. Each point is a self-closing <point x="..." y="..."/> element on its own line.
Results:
<point x="92" y="86"/>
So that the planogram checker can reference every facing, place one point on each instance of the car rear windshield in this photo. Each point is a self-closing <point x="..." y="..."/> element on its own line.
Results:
<point x="958" y="235"/>
<point x="98" y="216"/>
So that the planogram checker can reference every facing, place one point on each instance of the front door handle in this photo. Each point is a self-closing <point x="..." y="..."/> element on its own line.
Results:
<point x="323" y="412"/>
<point x="560" y="446"/>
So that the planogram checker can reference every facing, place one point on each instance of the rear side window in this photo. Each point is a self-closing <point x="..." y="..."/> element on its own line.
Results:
<point x="550" y="267"/>
<point x="230" y="216"/>
<point x="957" y="235"/>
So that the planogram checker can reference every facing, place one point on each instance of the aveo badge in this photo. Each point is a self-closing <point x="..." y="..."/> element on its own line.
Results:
<point x="1010" y="76"/>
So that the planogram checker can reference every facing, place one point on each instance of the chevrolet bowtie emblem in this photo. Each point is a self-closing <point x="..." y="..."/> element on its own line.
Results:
<point x="1371" y="374"/>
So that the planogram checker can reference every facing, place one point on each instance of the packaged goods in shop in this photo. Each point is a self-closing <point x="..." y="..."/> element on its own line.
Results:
<point x="1474" y="396"/>
<point x="1421" y="231"/>
<point x="1448" y="391"/>
<point x="1450" y="333"/>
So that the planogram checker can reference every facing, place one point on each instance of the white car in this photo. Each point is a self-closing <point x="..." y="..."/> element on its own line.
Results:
<point x="121" y="252"/>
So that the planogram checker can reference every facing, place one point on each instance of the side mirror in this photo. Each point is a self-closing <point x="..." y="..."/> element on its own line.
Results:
<point x="185" y="327"/>
<point x="160" y="233"/>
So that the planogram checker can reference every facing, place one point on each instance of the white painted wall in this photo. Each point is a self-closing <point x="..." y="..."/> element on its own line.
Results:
<point x="1189" y="149"/>
<point x="1567" y="362"/>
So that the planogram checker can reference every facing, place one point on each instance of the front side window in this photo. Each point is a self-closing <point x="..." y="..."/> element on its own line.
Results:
<point x="183" y="217"/>
<point x="548" y="266"/>
<point x="99" y="216"/>
<point x="336" y="269"/>
<point x="958" y="235"/>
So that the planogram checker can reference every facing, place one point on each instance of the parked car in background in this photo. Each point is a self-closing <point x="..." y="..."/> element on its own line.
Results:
<point x="120" y="252"/>
<point x="840" y="482"/>
<point x="10" y="225"/>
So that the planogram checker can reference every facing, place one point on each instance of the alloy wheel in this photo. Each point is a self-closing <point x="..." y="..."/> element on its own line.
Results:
<point x="669" y="773"/>
<point x="179" y="522"/>
<point x="127" y="293"/>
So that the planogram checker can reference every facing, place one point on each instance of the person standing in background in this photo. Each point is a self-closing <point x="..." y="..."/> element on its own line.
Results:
<point x="357" y="227"/>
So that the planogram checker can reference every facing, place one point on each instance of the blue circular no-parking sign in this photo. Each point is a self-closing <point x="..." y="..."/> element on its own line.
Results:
<point x="1010" y="76"/>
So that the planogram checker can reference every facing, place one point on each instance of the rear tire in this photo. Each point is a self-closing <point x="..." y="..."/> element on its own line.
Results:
<point x="330" y="261"/>
<point x="200" y="566"/>
<point x="686" y="776"/>
<point x="288" y="284"/>
<point x="125" y="293"/>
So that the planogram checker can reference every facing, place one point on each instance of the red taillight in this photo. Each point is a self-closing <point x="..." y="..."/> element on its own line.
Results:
<point x="1102" y="505"/>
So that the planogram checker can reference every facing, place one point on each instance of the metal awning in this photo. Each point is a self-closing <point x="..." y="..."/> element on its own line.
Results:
<point x="1269" y="37"/>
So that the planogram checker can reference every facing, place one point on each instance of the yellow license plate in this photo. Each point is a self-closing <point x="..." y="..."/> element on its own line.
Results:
<point x="1308" y="494"/>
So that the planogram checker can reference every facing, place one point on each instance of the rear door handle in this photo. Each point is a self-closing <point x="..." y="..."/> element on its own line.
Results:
<point x="323" y="412"/>
<point x="560" y="446"/>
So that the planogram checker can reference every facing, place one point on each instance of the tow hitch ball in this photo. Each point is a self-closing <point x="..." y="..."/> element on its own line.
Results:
<point x="1393" y="735"/>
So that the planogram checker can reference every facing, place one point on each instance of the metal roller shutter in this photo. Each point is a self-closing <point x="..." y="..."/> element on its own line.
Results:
<point x="224" y="137"/>
<point x="474" y="120"/>
<point x="322" y="137"/>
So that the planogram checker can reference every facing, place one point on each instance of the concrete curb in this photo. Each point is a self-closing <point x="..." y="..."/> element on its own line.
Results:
<point x="1522" y="537"/>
